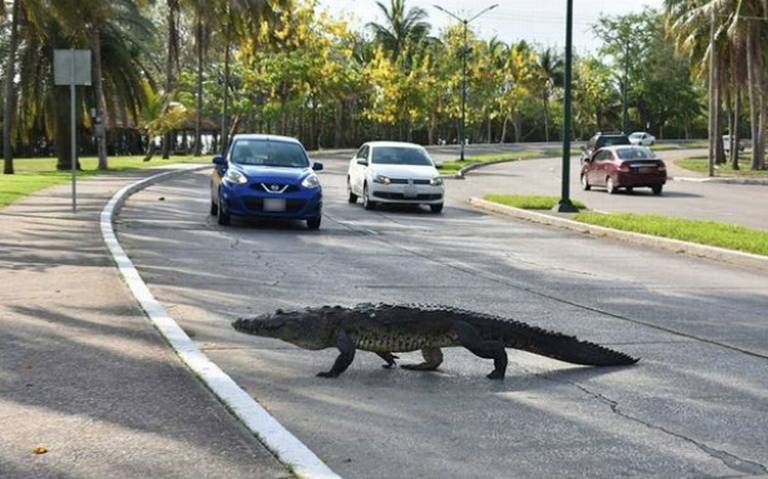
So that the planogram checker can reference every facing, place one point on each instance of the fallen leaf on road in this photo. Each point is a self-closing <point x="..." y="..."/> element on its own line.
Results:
<point x="40" y="449"/>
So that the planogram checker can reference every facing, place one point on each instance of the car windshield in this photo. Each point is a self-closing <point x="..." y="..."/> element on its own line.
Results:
<point x="613" y="140"/>
<point x="269" y="153"/>
<point x="634" y="153"/>
<point x="396" y="155"/>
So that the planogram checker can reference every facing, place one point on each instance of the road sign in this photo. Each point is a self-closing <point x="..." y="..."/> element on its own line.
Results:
<point x="72" y="67"/>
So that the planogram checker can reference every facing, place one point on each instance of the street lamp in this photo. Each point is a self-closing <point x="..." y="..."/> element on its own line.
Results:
<point x="565" y="205"/>
<point x="465" y="22"/>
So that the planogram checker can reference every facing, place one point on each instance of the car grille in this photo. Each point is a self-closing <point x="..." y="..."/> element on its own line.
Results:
<point x="403" y="181"/>
<point x="291" y="206"/>
<point x="400" y="196"/>
<point x="281" y="187"/>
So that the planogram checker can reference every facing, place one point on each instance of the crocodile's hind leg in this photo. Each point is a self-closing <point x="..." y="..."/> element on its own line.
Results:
<point x="433" y="357"/>
<point x="488" y="349"/>
<point x="346" y="355"/>
<point x="389" y="358"/>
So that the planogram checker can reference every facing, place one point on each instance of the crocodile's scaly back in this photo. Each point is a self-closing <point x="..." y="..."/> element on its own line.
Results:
<point x="437" y="320"/>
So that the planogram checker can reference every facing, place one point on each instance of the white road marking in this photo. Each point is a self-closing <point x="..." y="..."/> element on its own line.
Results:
<point x="287" y="448"/>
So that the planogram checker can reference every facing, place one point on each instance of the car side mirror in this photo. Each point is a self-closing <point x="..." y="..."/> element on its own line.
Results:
<point x="219" y="160"/>
<point x="362" y="162"/>
<point x="317" y="166"/>
<point x="438" y="164"/>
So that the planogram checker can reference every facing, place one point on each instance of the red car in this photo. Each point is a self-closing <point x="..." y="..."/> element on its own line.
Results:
<point x="626" y="167"/>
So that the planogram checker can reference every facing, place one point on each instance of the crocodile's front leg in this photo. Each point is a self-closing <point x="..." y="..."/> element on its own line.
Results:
<point x="347" y="355"/>
<point x="389" y="358"/>
<point x="471" y="339"/>
<point x="433" y="357"/>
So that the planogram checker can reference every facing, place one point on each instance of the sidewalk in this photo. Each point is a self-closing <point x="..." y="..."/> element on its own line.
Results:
<point x="82" y="371"/>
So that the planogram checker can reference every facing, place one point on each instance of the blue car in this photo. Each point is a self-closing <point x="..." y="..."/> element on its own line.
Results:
<point x="266" y="176"/>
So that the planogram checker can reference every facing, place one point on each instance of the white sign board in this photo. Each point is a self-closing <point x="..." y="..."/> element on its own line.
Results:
<point x="72" y="67"/>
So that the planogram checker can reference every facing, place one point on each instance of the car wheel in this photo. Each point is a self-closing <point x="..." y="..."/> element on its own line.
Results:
<point x="657" y="189"/>
<point x="314" y="223"/>
<point x="352" y="197"/>
<point x="223" y="217"/>
<point x="367" y="203"/>
<point x="610" y="186"/>
<point x="585" y="183"/>
<point x="436" y="208"/>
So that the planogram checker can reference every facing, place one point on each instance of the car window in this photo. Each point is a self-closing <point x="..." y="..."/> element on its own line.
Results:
<point x="613" y="140"/>
<point x="363" y="152"/>
<point x="604" y="155"/>
<point x="398" y="155"/>
<point x="269" y="153"/>
<point x="634" y="153"/>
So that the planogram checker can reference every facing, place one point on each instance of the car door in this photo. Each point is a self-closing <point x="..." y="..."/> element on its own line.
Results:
<point x="602" y="159"/>
<point x="592" y="168"/>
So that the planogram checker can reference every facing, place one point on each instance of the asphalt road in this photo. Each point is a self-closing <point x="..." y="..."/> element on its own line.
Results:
<point x="695" y="406"/>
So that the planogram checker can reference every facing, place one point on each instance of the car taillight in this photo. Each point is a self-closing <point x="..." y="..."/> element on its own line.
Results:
<point x="662" y="167"/>
<point x="624" y="167"/>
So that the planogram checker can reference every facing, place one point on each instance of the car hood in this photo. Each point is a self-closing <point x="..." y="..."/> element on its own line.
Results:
<point x="273" y="173"/>
<point x="417" y="172"/>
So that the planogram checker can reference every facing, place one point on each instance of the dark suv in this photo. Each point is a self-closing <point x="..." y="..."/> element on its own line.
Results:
<point x="603" y="139"/>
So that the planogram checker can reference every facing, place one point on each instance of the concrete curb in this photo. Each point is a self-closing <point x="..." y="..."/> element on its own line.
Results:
<point x="288" y="449"/>
<point x="723" y="181"/>
<point x="676" y="246"/>
<point x="460" y="175"/>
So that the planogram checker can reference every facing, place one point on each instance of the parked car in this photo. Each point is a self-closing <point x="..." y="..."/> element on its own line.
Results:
<point x="266" y="176"/>
<point x="626" y="167"/>
<point x="727" y="143"/>
<point x="392" y="172"/>
<point x="642" y="138"/>
<point x="601" y="140"/>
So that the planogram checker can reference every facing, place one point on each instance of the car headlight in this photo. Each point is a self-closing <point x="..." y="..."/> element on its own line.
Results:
<point x="311" y="181"/>
<point x="382" y="179"/>
<point x="436" y="181"/>
<point x="235" y="177"/>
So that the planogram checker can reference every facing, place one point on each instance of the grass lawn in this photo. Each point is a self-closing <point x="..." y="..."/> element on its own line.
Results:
<point x="700" y="164"/>
<point x="680" y="146"/>
<point x="530" y="202"/>
<point x="451" y="167"/>
<point x="34" y="174"/>
<point x="710" y="233"/>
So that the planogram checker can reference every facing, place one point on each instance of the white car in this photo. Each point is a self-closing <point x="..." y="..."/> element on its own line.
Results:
<point x="641" y="138"/>
<point x="393" y="172"/>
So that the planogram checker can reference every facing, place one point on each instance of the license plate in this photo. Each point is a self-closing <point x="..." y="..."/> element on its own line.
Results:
<point x="274" y="205"/>
<point x="648" y="170"/>
<point x="410" y="192"/>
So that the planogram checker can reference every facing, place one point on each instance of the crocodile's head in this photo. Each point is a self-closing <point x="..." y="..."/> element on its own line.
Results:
<point x="307" y="328"/>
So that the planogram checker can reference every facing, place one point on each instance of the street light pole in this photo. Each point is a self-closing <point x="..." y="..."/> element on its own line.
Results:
<point x="565" y="205"/>
<point x="465" y="22"/>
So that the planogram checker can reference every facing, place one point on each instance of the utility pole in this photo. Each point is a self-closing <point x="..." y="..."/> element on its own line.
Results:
<point x="465" y="22"/>
<point x="565" y="205"/>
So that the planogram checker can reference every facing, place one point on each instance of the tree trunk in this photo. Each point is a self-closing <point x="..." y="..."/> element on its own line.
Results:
<point x="9" y="103"/>
<point x="199" y="115"/>
<point x="753" y="83"/>
<point x="170" y="80"/>
<point x="98" y="89"/>
<point x="735" y="139"/>
<point x="225" y="112"/>
<point x="546" y="118"/>
<point x="504" y="129"/>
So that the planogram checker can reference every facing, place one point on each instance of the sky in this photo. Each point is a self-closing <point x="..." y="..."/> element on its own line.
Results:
<point x="537" y="21"/>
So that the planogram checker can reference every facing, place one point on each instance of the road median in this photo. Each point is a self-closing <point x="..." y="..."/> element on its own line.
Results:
<point x="673" y="245"/>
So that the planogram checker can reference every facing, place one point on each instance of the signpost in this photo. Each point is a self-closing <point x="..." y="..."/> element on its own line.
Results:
<point x="73" y="68"/>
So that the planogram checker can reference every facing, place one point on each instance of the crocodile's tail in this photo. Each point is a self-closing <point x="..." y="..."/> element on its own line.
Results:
<point x="560" y="346"/>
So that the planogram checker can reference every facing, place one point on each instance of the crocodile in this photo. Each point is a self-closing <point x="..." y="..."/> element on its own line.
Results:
<point x="385" y="329"/>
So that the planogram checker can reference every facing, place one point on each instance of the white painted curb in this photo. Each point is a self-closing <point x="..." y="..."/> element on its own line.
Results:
<point x="676" y="246"/>
<point x="287" y="448"/>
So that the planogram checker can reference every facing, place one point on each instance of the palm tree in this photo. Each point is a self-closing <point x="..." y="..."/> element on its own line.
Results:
<point x="240" y="19"/>
<point x="401" y="30"/>
<point x="551" y="65"/>
<point x="172" y="59"/>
